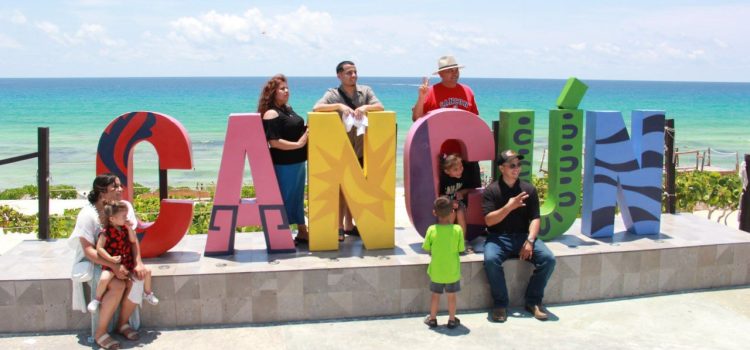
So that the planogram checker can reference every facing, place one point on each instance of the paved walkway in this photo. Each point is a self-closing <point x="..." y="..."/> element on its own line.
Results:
<point x="715" y="319"/>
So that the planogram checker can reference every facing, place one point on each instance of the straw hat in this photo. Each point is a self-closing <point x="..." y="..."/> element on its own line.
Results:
<point x="447" y="62"/>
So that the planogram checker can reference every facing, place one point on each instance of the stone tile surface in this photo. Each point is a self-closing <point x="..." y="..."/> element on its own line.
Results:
<point x="252" y="286"/>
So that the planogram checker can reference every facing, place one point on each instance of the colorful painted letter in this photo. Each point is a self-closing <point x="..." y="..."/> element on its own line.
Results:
<point x="563" y="201"/>
<point x="517" y="133"/>
<point x="370" y="192"/>
<point x="421" y="171"/>
<point x="172" y="144"/>
<point x="246" y="139"/>
<point x="624" y="171"/>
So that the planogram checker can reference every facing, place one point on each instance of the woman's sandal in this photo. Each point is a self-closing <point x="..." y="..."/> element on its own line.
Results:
<point x="128" y="333"/>
<point x="106" y="342"/>
<point x="342" y="235"/>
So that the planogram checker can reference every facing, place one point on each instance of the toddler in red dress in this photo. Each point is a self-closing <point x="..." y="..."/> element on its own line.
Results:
<point x="116" y="244"/>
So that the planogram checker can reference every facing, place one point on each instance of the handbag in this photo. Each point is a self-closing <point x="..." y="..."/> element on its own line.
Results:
<point x="83" y="271"/>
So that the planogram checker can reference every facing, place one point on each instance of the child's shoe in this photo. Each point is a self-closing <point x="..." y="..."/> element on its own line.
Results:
<point x="430" y="322"/>
<point x="454" y="323"/>
<point x="151" y="298"/>
<point x="93" y="305"/>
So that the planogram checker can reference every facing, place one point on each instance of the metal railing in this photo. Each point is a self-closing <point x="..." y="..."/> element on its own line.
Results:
<point x="42" y="155"/>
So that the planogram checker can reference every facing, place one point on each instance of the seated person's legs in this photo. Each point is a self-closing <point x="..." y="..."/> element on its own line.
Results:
<point x="496" y="251"/>
<point x="544" y="264"/>
<point x="104" y="279"/>
<point x="111" y="298"/>
<point x="148" y="293"/>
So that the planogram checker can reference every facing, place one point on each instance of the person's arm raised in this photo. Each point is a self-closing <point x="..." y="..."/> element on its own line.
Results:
<point x="497" y="216"/>
<point x="418" y="110"/>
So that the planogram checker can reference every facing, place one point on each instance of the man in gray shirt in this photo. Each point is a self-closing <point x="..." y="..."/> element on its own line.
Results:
<point x="349" y="99"/>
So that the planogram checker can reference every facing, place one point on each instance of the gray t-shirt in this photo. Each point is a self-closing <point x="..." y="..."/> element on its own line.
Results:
<point x="364" y="96"/>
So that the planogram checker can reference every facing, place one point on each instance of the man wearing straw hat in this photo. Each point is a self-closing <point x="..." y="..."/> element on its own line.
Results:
<point x="449" y="93"/>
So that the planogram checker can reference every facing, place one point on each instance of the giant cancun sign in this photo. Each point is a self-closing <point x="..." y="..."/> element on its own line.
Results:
<point x="622" y="169"/>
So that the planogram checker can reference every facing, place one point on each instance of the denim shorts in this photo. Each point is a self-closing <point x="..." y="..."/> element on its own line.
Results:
<point x="447" y="287"/>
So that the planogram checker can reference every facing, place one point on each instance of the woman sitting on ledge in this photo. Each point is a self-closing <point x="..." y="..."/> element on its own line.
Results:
<point x="106" y="188"/>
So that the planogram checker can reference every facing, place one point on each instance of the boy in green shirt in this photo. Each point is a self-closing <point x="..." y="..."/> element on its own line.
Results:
<point x="444" y="241"/>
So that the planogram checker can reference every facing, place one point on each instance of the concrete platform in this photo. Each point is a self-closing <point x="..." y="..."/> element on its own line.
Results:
<point x="253" y="287"/>
<point x="713" y="319"/>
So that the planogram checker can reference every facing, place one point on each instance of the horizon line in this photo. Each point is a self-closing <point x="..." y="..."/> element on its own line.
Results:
<point x="366" y="77"/>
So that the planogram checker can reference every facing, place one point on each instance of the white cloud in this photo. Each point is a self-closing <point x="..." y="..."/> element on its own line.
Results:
<point x="7" y="42"/>
<point x="608" y="48"/>
<point x="578" y="46"/>
<point x="53" y="31"/>
<point x="212" y="35"/>
<point x="192" y="29"/>
<point x="87" y="33"/>
<point x="461" y="38"/>
<point x="95" y="33"/>
<point x="18" y="18"/>
<point x="720" y="43"/>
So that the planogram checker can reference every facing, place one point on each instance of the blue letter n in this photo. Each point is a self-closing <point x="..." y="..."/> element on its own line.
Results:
<point x="622" y="171"/>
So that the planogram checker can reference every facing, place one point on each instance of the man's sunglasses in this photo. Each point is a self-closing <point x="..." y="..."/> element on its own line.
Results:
<point x="513" y="165"/>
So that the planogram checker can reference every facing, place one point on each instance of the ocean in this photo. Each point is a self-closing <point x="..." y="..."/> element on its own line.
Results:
<point x="77" y="110"/>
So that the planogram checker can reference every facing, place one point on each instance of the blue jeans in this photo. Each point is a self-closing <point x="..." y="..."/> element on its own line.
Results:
<point x="498" y="248"/>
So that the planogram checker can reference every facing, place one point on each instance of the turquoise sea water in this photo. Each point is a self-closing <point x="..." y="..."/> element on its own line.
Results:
<point x="715" y="115"/>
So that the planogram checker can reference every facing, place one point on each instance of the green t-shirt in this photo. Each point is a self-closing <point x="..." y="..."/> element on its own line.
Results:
<point x="444" y="242"/>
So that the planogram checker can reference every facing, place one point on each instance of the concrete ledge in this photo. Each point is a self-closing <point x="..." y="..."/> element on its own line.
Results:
<point x="252" y="287"/>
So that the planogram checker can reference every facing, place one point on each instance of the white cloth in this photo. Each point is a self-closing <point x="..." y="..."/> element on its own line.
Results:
<point x="88" y="228"/>
<point x="360" y="124"/>
<point x="743" y="175"/>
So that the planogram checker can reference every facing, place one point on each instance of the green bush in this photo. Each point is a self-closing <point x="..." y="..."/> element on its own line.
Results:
<point x="19" y="193"/>
<point x="714" y="190"/>
<point x="11" y="220"/>
<point x="31" y="191"/>
<point x="61" y="226"/>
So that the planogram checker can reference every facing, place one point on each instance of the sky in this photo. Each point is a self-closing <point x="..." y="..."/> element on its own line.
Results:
<point x="620" y="40"/>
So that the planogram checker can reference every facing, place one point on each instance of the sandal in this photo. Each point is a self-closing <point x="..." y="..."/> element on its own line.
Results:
<point x="353" y="232"/>
<point x="431" y="322"/>
<point x="299" y="240"/>
<point x="454" y="323"/>
<point x="106" y="342"/>
<point x="128" y="332"/>
<point x="342" y="235"/>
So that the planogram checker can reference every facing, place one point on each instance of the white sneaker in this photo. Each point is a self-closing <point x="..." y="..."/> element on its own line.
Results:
<point x="93" y="305"/>
<point x="151" y="298"/>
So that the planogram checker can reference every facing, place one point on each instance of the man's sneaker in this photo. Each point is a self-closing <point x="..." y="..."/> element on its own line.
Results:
<point x="151" y="298"/>
<point x="93" y="305"/>
<point x="536" y="311"/>
<point x="499" y="314"/>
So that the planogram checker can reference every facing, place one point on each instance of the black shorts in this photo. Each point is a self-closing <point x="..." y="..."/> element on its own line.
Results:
<point x="447" y="287"/>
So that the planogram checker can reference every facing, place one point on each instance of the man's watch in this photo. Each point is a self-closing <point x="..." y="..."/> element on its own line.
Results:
<point x="530" y="240"/>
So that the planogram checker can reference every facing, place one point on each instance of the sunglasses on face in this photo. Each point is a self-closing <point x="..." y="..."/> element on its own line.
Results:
<point x="513" y="165"/>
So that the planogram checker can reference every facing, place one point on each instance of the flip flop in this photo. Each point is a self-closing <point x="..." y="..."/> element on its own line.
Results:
<point x="128" y="332"/>
<point x="106" y="342"/>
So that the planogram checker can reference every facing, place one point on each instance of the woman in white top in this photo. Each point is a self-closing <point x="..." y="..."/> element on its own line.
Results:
<point x="107" y="187"/>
